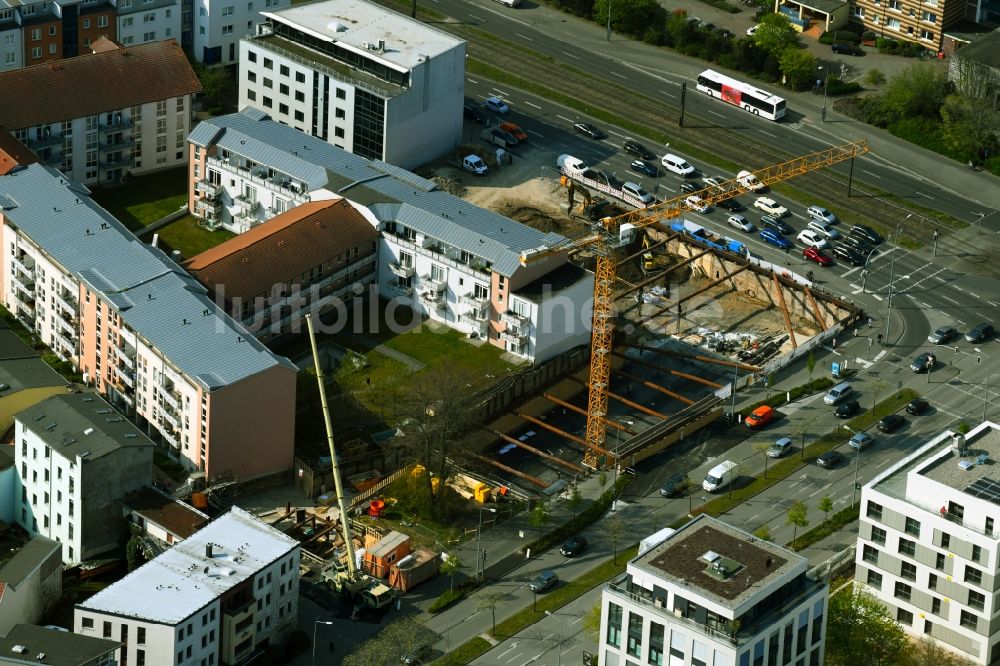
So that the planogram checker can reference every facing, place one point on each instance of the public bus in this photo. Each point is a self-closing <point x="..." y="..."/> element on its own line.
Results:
<point x="756" y="101"/>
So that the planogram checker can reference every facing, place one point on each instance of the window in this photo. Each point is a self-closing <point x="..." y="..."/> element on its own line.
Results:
<point x="874" y="511"/>
<point x="977" y="553"/>
<point x="149" y="18"/>
<point x="656" y="643"/>
<point x="878" y="535"/>
<point x="268" y="83"/>
<point x="88" y="623"/>
<point x="252" y="56"/>
<point x="968" y="620"/>
<point x="874" y="579"/>
<point x="341" y="93"/>
<point x="36" y="34"/>
<point x="912" y="527"/>
<point x="36" y="52"/>
<point x="300" y="77"/>
<point x="300" y="96"/>
<point x="945" y="540"/>
<point x="989" y="521"/>
<point x="977" y="600"/>
<point x="149" y="36"/>
<point x="904" y="616"/>
<point x="903" y="591"/>
<point x="634" y="644"/>
<point x="227" y="11"/>
<point x="936" y="605"/>
<point x="106" y="629"/>
<point x="907" y="547"/>
<point x="340" y="113"/>
<point x="894" y="5"/>
<point x="252" y="95"/>
<point x="973" y="575"/>
<point x="86" y="24"/>
<point x="939" y="562"/>
<point x="338" y="132"/>
<point x="283" y="70"/>
<point x="227" y="30"/>
<point x="283" y="88"/>
<point x="283" y="109"/>
<point x="140" y="635"/>
<point x="927" y="34"/>
<point x="892" y="24"/>
<point x="909" y="571"/>
<point x="614" y="637"/>
<point x="268" y="63"/>
<point x="267" y="102"/>
<point x="299" y="116"/>
<point x="929" y="17"/>
<point x="140" y="658"/>
<point x="252" y="76"/>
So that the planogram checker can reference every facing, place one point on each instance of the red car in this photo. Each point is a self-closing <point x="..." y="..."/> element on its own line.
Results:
<point x="812" y="254"/>
<point x="516" y="130"/>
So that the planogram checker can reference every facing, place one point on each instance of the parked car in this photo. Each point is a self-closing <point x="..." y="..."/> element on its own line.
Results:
<point x="573" y="546"/>
<point x="472" y="112"/>
<point x="515" y="129"/>
<point x="589" y="130"/>
<point x="923" y="363"/>
<point x="810" y="238"/>
<point x="847" y="49"/>
<point x="846" y="410"/>
<point x="770" y="206"/>
<point x="675" y="484"/>
<point x="635" y="148"/>
<point x="980" y="333"/>
<point x="772" y="222"/>
<point x="732" y="205"/>
<point x="713" y="181"/>
<point x="496" y="105"/>
<point x="861" y="440"/>
<point x="830" y="459"/>
<point x="739" y="222"/>
<point x="774" y="238"/>
<point x="858" y="245"/>
<point x="639" y="166"/>
<point x="917" y="406"/>
<point x="849" y="255"/>
<point x="890" y="423"/>
<point x="824" y="229"/>
<point x="760" y="417"/>
<point x="690" y="187"/>
<point x="942" y="335"/>
<point x="780" y="448"/>
<point x="813" y="254"/>
<point x="821" y="214"/>
<point x="543" y="581"/>
<point x="867" y="234"/>
<point x="697" y="204"/>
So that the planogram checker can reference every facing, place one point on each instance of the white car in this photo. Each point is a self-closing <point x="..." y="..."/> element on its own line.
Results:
<point x="496" y="105"/>
<point x="812" y="239"/>
<point x="695" y="203"/>
<point x="821" y="214"/>
<point x="751" y="30"/>
<point x="713" y="181"/>
<point x="770" y="206"/>
<point x="740" y="222"/>
<point x="824" y="228"/>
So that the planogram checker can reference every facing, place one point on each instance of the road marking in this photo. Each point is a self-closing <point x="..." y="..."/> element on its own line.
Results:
<point x="877" y="298"/>
<point x="517" y="34"/>
<point x="564" y="118"/>
<point x="571" y="55"/>
<point x="950" y="299"/>
<point x="534" y="105"/>
<point x="576" y="620"/>
<point x="960" y="321"/>
<point x="856" y="268"/>
<point x="512" y="647"/>
<point x="476" y="17"/>
<point x="471" y="80"/>
<point x="670" y="95"/>
<point x="994" y="303"/>
<point x="923" y="304"/>
<point x="617" y="134"/>
<point x="984" y="317"/>
<point x="769" y="134"/>
<point x="975" y="296"/>
<point x="878" y="356"/>
<point x="621" y="76"/>
<point x="921" y="194"/>
<point x="871" y="174"/>
<point x="514" y="657"/>
<point x="856" y="291"/>
<point x="501" y="93"/>
<point x="714" y="113"/>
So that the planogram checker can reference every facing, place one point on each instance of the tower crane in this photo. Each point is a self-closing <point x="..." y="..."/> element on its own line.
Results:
<point x="611" y="233"/>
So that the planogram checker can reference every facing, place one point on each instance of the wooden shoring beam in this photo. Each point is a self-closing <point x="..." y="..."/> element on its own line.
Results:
<point x="784" y="309"/>
<point x="711" y="284"/>
<point x="815" y="309"/>
<point x="548" y="456"/>
<point x="676" y="373"/>
<point x="583" y="412"/>
<point x="697" y="357"/>
<point x="626" y="401"/>
<point x="521" y="475"/>
<point x="640" y="285"/>
<point x="656" y="387"/>
<point x="561" y="433"/>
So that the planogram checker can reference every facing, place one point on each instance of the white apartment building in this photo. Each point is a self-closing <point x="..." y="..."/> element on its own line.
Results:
<point x="75" y="457"/>
<point x="219" y="25"/>
<point x="144" y="21"/>
<point x="928" y="544"/>
<point x="359" y="76"/>
<point x="712" y="595"/>
<point x="210" y="600"/>
<point x="11" y="39"/>
<point x="440" y="255"/>
<point x="118" y="112"/>
<point x="142" y="331"/>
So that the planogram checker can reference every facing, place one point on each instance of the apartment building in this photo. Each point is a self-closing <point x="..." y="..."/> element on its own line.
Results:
<point x="28" y="644"/>
<point x="30" y="583"/>
<point x="213" y="599"/>
<point x="219" y="25"/>
<point x="928" y="544"/>
<point x="143" y="332"/>
<point x="920" y="21"/>
<point x="442" y="256"/>
<point x="101" y="117"/>
<point x="144" y="21"/>
<point x="76" y="456"/>
<point x="36" y="32"/>
<point x="713" y="595"/>
<point x="359" y="76"/>
<point x="310" y="259"/>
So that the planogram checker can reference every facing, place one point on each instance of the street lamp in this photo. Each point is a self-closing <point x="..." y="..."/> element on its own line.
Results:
<point x="892" y="276"/>
<point x="479" y="532"/>
<point x="618" y="437"/>
<point x="609" y="20"/>
<point x="316" y="624"/>
<point x="864" y="271"/>
<point x="857" y="467"/>
<point x="559" y="646"/>
<point x="826" y="85"/>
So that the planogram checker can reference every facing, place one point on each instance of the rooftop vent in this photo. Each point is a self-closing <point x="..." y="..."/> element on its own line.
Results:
<point x="336" y="26"/>
<point x="130" y="435"/>
<point x="39" y="417"/>
<point x="208" y="550"/>
<point x="104" y="411"/>
<point x="85" y="454"/>
<point x="958" y="443"/>
<point x="710" y="556"/>
<point x="51" y="426"/>
<point x="19" y="649"/>
<point x="88" y="431"/>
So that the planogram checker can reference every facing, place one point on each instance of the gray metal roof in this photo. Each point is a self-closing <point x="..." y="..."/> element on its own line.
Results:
<point x="61" y="648"/>
<point x="28" y="559"/>
<point x="21" y="367"/>
<point x="156" y="298"/>
<point x="416" y="201"/>
<point x="81" y="424"/>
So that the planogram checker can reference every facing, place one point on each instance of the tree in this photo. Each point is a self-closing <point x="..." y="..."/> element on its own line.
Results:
<point x="877" y="386"/>
<point x="970" y="124"/>
<point x="775" y="33"/>
<point x="918" y="90"/>
<point x="489" y="601"/>
<point x="798" y="66"/>
<point x="575" y="499"/>
<point x="861" y="631"/>
<point x="826" y="506"/>
<point x="763" y="533"/>
<point x="614" y="529"/>
<point x="629" y="17"/>
<point x="602" y="478"/>
<point x="798" y="516"/>
<point x="926" y="652"/>
<point x="762" y="448"/>
<point x="539" y="516"/>
<point x="592" y="621"/>
<point x="874" y="78"/>
<point x="450" y="567"/>
<point x="810" y="364"/>
<point x="404" y="636"/>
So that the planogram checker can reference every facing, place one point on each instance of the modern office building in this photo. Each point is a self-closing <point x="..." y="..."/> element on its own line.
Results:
<point x="217" y="597"/>
<point x="359" y="76"/>
<point x="101" y="117"/>
<point x="444" y="257"/>
<point x="76" y="456"/>
<point x="928" y="542"/>
<point x="142" y="331"/>
<point x="712" y="595"/>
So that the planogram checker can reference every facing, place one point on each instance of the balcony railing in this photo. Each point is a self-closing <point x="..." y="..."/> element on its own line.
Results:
<point x="26" y="265"/>
<point x="70" y="345"/>
<point x="45" y="141"/>
<point x="26" y="285"/>
<point x="27" y="309"/>
<point x="402" y="289"/>
<point x="401" y="271"/>
<point x="210" y="190"/>
<point x="124" y="143"/>
<point x="170" y="419"/>
<point x="474" y="302"/>
<point x="125" y="349"/>
<point x="208" y="207"/>
<point x="479" y="326"/>
<point x="64" y="325"/>
<point x="127" y="377"/>
<point x="168" y="438"/>
<point x="427" y="285"/>
<point x="117" y="124"/>
<point x="171" y="398"/>
<point x="513" y="319"/>
<point x="514" y="336"/>
<point x="120" y="160"/>
<point x="67" y="301"/>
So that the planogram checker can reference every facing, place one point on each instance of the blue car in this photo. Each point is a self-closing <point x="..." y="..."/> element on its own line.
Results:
<point x="774" y="238"/>
<point x="643" y="167"/>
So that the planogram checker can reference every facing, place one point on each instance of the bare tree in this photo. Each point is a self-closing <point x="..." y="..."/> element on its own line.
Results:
<point x="489" y="601"/>
<point x="407" y="635"/>
<point x="615" y="530"/>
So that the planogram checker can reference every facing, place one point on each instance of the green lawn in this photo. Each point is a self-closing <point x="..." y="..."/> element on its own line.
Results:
<point x="145" y="199"/>
<point x="431" y="344"/>
<point x="185" y="235"/>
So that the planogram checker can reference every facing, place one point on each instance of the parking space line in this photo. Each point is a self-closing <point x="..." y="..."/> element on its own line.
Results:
<point x="994" y="303"/>
<point x="523" y="36"/>
<point x="975" y="296"/>
<point x="564" y="118"/>
<point x="471" y="80"/>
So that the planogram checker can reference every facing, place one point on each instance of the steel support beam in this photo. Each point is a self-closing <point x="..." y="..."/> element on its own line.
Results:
<point x="817" y="314"/>
<point x="547" y="456"/>
<point x="583" y="412"/>
<point x="784" y="309"/>
<point x="656" y="387"/>
<point x="510" y="470"/>
<point x="697" y="357"/>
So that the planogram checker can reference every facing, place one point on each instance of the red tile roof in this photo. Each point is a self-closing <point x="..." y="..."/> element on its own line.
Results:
<point x="282" y="249"/>
<point x="91" y="84"/>
<point x="13" y="153"/>
<point x="102" y="44"/>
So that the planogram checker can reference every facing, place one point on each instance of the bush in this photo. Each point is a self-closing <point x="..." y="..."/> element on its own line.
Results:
<point x="450" y="596"/>
<point x="839" y="520"/>
<point x="837" y="87"/>
<point x="840" y="37"/>
<point x="582" y="521"/>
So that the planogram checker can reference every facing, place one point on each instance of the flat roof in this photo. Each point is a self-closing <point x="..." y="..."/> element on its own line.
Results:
<point x="171" y="514"/>
<point x="61" y="648"/>
<point x="177" y="583"/>
<point x="980" y="461"/>
<point x="984" y="47"/>
<point x="353" y="23"/>
<point x="27" y="559"/>
<point x="719" y="561"/>
<point x="552" y="283"/>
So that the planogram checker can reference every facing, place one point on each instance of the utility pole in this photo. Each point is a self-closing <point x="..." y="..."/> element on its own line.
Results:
<point x="680" y="120"/>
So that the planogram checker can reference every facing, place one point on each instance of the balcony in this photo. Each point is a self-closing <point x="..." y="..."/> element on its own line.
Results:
<point x="116" y="160"/>
<point x="44" y="141"/>
<point x="126" y="376"/>
<point x="514" y="336"/>
<point x="169" y="438"/>
<point x="123" y="143"/>
<point x="171" y="398"/>
<point x="481" y="327"/>
<point x="402" y="289"/>
<point x="474" y="302"/>
<point x="208" y="208"/>
<point x="25" y="264"/>
<point x="209" y="190"/>
<point x="117" y="124"/>
<point x="26" y="306"/>
<point x="244" y="204"/>
<point x="67" y="301"/>
<point x="428" y="284"/>
<point x="401" y="271"/>
<point x="64" y="325"/>
<point x="25" y="285"/>
<point x="68" y="344"/>
<point x="169" y="419"/>
<point x="512" y="319"/>
<point x="125" y="349"/>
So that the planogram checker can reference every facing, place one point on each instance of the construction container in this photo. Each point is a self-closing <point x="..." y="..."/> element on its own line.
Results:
<point x="413" y="570"/>
<point x="390" y="549"/>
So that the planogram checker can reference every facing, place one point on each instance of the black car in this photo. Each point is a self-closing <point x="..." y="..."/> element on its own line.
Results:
<point x="573" y="546"/>
<point x="847" y="409"/>
<point x="473" y="113"/>
<point x="543" y="581"/>
<point x="917" y="406"/>
<point x="859" y="245"/>
<point x="867" y="234"/>
<point x="847" y="49"/>
<point x="849" y="255"/>
<point x="690" y="187"/>
<point x="635" y="148"/>
<point x="644" y="167"/>
<point x="830" y="459"/>
<point x="732" y="205"/>
<point x="980" y="333"/>
<point x="922" y="363"/>
<point x="674" y="484"/>
<point x="772" y="222"/>
<point x="891" y="423"/>
<point x="589" y="130"/>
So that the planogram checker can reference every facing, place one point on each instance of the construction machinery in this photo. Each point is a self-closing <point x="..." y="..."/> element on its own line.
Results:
<point x="344" y="574"/>
<point x="611" y="233"/>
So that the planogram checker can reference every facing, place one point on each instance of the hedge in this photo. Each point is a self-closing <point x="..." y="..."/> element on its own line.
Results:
<point x="840" y="37"/>
<point x="796" y="392"/>
<point x="452" y="595"/>
<point x="580" y="522"/>
<point x="839" y="520"/>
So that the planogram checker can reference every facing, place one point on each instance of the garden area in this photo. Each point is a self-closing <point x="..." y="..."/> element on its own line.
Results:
<point x="190" y="239"/>
<point x="145" y="199"/>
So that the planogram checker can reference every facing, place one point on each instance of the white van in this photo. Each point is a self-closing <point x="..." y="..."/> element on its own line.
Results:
<point x="677" y="164"/>
<point x="838" y="393"/>
<point x="570" y="164"/>
<point x="749" y="181"/>
<point x="473" y="164"/>
<point x="510" y="3"/>
<point x="720" y="476"/>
